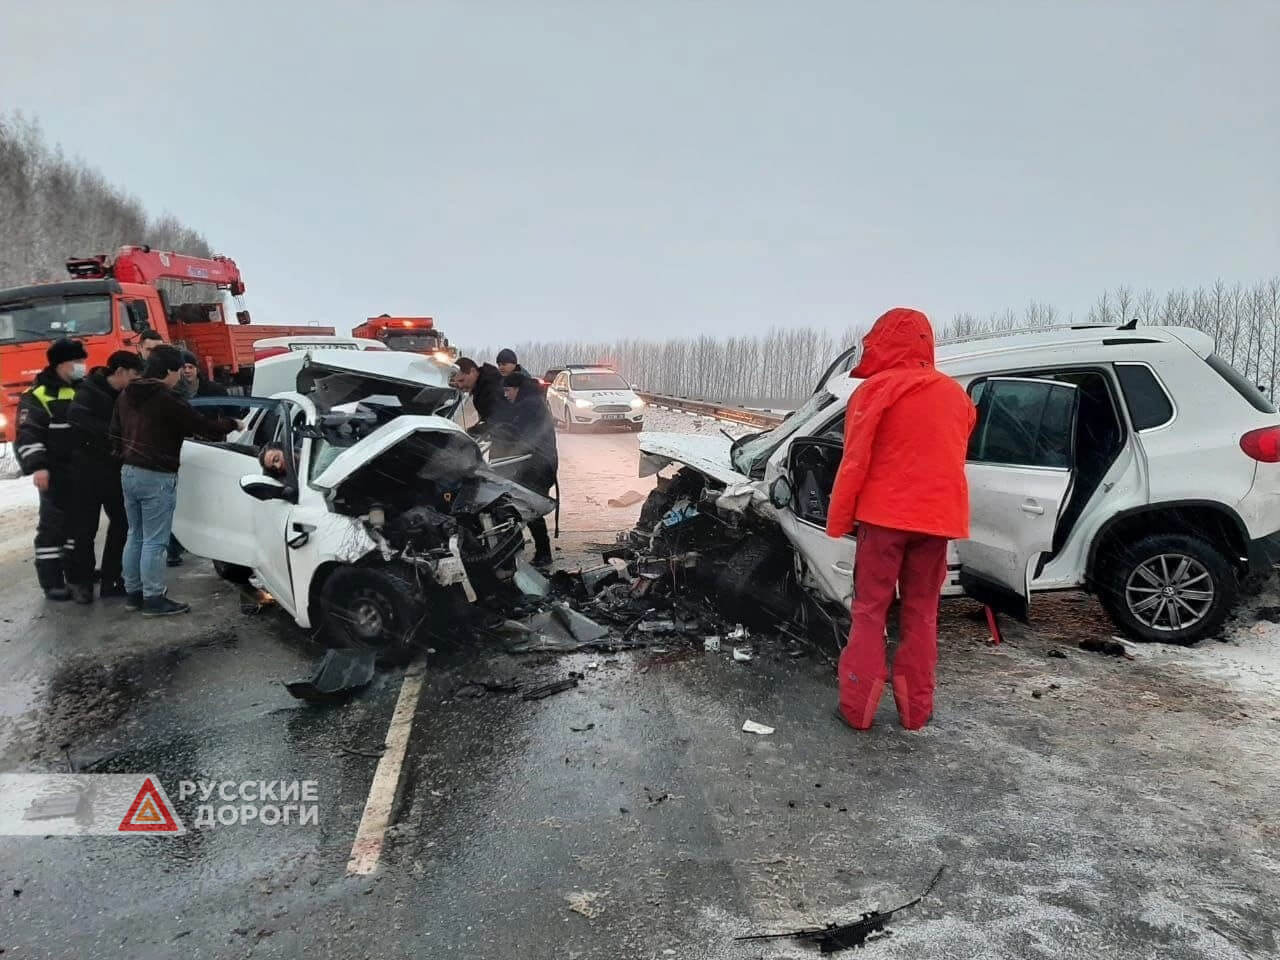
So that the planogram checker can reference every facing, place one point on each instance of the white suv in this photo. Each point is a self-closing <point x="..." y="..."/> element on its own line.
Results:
<point x="1132" y="462"/>
<point x="582" y="397"/>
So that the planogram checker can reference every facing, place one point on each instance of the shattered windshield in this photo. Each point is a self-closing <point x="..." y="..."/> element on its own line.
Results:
<point x="748" y="455"/>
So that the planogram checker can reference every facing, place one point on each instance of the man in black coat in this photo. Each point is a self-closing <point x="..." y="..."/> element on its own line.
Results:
<point x="484" y="383"/>
<point x="528" y="428"/>
<point x="95" y="484"/>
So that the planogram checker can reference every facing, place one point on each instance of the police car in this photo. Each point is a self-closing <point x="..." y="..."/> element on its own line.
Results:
<point x="585" y="396"/>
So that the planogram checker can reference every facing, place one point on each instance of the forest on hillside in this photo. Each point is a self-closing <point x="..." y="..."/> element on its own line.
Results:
<point x="53" y="207"/>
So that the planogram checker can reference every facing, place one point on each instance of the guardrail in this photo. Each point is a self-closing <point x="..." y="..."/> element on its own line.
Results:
<point x="718" y="411"/>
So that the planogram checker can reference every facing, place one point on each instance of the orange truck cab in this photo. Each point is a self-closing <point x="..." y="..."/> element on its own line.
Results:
<point x="192" y="302"/>
<point x="410" y="334"/>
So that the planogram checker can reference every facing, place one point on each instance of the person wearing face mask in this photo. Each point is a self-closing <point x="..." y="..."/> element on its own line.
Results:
<point x="44" y="446"/>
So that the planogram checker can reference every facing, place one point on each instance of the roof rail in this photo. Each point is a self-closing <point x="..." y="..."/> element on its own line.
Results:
<point x="1015" y="331"/>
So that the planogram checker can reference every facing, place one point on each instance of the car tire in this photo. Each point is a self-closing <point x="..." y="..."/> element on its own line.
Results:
<point x="1169" y="588"/>
<point x="374" y="608"/>
<point x="232" y="572"/>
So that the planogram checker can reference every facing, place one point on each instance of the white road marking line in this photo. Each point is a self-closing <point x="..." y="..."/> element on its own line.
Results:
<point x="367" y="847"/>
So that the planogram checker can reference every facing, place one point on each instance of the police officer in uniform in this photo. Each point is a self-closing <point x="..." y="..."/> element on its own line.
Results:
<point x="44" y="445"/>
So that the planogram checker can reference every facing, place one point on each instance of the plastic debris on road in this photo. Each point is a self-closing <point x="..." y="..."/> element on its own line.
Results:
<point x="340" y="674"/>
<point x="711" y="644"/>
<point x="530" y="581"/>
<point x="757" y="728"/>
<point x="742" y="655"/>
<point x="628" y="499"/>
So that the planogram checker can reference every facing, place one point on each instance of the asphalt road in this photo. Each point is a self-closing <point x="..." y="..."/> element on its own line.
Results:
<point x="1127" y="811"/>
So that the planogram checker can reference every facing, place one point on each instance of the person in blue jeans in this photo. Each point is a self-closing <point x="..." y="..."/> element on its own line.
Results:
<point x="148" y="428"/>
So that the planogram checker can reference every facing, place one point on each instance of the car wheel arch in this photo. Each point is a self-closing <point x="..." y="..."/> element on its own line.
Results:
<point x="1209" y="519"/>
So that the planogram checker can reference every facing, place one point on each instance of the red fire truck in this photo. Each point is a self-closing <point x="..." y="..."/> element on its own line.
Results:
<point x="192" y="302"/>
<point x="411" y="334"/>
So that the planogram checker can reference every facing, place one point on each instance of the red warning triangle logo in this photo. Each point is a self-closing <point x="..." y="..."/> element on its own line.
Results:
<point x="150" y="812"/>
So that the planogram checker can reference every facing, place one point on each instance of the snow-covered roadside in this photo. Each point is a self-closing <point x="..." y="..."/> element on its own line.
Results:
<point x="1247" y="661"/>
<point x="18" y="503"/>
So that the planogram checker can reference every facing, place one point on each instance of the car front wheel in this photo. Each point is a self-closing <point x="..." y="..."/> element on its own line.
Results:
<point x="374" y="608"/>
<point x="1169" y="588"/>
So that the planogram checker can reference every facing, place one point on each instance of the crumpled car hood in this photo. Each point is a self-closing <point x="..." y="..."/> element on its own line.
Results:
<point x="708" y="455"/>
<point x="457" y="459"/>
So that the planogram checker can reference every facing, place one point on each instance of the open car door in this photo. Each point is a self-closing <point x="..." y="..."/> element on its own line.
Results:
<point x="1020" y="470"/>
<point x="215" y="517"/>
<point x="802" y="497"/>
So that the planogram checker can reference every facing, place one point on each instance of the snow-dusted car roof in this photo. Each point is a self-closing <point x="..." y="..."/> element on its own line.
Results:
<point x="1052" y="347"/>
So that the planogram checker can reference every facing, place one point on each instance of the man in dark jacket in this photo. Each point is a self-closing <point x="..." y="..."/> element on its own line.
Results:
<point x="527" y="428"/>
<point x="194" y="383"/>
<point x="43" y="445"/>
<point x="484" y="383"/>
<point x="96" y="477"/>
<point x="150" y="423"/>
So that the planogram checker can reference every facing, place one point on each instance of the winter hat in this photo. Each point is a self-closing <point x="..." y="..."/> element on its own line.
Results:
<point x="124" y="360"/>
<point x="507" y="355"/>
<point x="189" y="357"/>
<point x="60" y="351"/>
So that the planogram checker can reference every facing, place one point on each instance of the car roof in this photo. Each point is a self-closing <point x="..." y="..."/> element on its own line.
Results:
<point x="1055" y="346"/>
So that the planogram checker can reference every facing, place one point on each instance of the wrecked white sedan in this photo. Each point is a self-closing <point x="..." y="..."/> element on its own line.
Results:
<point x="1133" y="463"/>
<point x="383" y="517"/>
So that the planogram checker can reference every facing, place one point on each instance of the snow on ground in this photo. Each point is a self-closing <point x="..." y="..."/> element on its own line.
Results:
<point x="18" y="502"/>
<point x="1247" y="660"/>
<point x="601" y="466"/>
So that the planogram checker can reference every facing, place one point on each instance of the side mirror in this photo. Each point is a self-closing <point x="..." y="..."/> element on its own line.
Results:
<point x="780" y="493"/>
<point x="635" y="388"/>
<point x="265" y="488"/>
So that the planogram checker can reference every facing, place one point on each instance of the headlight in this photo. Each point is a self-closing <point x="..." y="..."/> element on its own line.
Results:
<point x="637" y="403"/>
<point x="583" y="404"/>
<point x="443" y="356"/>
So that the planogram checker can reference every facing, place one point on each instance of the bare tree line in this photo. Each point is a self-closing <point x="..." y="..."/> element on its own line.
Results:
<point x="52" y="208"/>
<point x="782" y="366"/>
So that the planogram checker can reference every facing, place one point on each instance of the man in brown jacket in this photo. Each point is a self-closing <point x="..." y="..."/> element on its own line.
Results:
<point x="150" y="423"/>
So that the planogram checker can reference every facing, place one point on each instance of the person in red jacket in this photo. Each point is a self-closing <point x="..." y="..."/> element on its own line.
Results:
<point x="901" y="484"/>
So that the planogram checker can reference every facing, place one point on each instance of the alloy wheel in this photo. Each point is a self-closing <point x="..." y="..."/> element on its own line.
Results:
<point x="1170" y="592"/>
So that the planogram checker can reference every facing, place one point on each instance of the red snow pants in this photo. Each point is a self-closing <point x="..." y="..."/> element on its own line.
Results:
<point x="917" y="564"/>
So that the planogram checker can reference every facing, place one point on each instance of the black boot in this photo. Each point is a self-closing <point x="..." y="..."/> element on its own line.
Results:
<point x="162" y="606"/>
<point x="81" y="593"/>
<point x="57" y="593"/>
<point x="133" y="601"/>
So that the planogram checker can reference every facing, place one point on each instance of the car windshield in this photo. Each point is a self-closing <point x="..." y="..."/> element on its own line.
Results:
<point x="749" y="454"/>
<point x="50" y="319"/>
<point x="410" y="342"/>
<point x="597" y="381"/>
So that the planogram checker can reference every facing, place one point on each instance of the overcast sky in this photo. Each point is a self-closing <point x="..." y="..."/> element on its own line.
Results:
<point x="532" y="168"/>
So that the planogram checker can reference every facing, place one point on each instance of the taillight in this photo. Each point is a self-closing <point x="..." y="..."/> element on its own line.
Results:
<point x="261" y="353"/>
<point x="1262" y="445"/>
